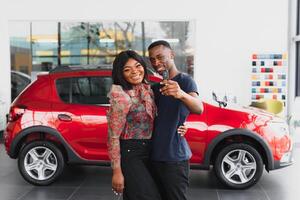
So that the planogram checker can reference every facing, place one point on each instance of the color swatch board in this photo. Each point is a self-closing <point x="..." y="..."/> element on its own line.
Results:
<point x="269" y="77"/>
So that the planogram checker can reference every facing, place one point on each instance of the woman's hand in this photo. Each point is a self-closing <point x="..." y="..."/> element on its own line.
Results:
<point x="182" y="130"/>
<point x="118" y="181"/>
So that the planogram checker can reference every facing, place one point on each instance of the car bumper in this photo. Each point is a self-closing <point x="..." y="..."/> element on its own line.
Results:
<point x="286" y="160"/>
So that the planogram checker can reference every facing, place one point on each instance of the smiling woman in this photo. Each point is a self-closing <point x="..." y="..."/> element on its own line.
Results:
<point x="130" y="123"/>
<point x="133" y="72"/>
<point x="129" y="69"/>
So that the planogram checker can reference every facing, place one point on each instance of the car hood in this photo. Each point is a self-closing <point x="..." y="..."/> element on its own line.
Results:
<point x="262" y="114"/>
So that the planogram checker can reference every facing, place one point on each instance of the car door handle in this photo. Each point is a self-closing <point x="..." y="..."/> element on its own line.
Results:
<point x="64" y="117"/>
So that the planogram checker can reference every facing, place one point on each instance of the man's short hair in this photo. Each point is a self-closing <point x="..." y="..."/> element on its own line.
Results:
<point x="160" y="42"/>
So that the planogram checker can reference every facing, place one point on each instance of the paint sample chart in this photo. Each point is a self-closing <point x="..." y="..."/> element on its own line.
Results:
<point x="269" y="77"/>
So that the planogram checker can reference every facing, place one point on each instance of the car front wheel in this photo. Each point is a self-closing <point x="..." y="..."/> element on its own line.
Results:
<point x="238" y="166"/>
<point x="40" y="162"/>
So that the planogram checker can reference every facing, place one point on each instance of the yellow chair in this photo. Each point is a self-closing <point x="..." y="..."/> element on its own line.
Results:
<point x="270" y="105"/>
<point x="274" y="106"/>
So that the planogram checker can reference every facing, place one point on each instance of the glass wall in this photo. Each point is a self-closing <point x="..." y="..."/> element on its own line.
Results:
<point x="21" y="56"/>
<point x="20" y="47"/>
<point x="43" y="45"/>
<point x="73" y="42"/>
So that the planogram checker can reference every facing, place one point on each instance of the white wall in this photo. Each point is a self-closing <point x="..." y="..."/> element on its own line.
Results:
<point x="228" y="32"/>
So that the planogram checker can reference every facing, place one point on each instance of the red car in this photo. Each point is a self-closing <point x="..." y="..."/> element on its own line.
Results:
<point x="61" y="118"/>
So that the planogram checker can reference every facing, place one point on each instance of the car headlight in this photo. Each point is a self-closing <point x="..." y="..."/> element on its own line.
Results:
<point x="280" y="128"/>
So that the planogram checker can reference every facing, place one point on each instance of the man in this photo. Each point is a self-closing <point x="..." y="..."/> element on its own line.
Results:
<point x="175" y="98"/>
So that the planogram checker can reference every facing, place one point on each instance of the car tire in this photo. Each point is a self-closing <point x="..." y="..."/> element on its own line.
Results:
<point x="238" y="166"/>
<point x="40" y="162"/>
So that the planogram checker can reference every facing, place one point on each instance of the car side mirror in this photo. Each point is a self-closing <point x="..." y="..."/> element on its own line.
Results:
<point x="221" y="103"/>
<point x="215" y="98"/>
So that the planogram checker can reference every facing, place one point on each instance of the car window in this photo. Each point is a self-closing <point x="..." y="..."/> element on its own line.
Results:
<point x="18" y="84"/>
<point x="84" y="90"/>
<point x="63" y="87"/>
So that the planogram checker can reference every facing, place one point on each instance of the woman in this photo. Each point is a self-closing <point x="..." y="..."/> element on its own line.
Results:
<point x="130" y="124"/>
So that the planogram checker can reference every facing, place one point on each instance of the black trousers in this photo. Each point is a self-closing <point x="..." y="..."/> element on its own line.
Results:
<point x="172" y="179"/>
<point x="135" y="163"/>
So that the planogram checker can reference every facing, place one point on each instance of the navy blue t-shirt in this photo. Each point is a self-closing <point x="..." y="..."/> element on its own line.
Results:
<point x="168" y="145"/>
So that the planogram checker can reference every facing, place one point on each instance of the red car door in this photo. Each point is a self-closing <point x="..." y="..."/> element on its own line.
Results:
<point x="80" y="114"/>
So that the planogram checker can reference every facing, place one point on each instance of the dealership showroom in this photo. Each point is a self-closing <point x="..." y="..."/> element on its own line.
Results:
<point x="55" y="76"/>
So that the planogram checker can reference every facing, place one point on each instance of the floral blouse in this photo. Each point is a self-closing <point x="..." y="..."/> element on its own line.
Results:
<point x="130" y="116"/>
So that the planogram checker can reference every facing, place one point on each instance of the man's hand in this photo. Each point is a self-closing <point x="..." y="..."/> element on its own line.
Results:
<point x="191" y="100"/>
<point x="171" y="88"/>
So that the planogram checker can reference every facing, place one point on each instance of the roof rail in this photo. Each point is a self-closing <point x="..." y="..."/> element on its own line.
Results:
<point x="68" y="68"/>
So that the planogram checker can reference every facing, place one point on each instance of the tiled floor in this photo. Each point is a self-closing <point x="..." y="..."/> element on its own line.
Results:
<point x="93" y="183"/>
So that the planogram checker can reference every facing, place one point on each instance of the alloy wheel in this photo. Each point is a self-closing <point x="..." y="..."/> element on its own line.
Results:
<point x="238" y="166"/>
<point x="40" y="163"/>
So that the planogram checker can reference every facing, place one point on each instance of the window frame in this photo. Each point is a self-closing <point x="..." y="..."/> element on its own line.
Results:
<point x="70" y="90"/>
